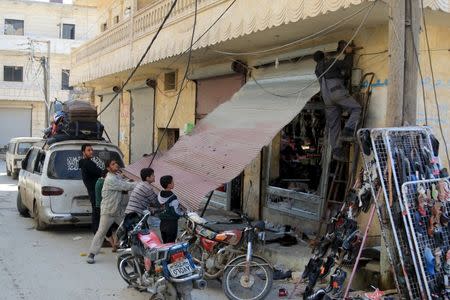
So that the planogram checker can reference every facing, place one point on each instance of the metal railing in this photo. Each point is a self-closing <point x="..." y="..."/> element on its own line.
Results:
<point x="144" y="22"/>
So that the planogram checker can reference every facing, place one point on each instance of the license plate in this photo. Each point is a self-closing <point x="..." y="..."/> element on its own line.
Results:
<point x="180" y="268"/>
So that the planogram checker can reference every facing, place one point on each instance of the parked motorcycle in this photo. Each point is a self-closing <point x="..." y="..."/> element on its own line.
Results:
<point x="166" y="271"/>
<point x="230" y="252"/>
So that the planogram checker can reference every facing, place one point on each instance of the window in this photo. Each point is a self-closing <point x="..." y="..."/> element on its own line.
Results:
<point x="170" y="82"/>
<point x="11" y="147"/>
<point x="68" y="31"/>
<point x="56" y="1"/>
<point x="31" y="159"/>
<point x="65" y="74"/>
<point x="13" y="27"/>
<point x="40" y="162"/>
<point x="116" y="19"/>
<point x="22" y="149"/>
<point x="104" y="27"/>
<point x="11" y="73"/>
<point x="64" y="164"/>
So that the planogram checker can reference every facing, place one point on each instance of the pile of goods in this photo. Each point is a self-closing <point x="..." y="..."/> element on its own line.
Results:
<point x="74" y="120"/>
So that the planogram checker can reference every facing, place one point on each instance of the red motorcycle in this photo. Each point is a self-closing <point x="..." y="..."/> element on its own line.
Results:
<point x="166" y="271"/>
<point x="230" y="252"/>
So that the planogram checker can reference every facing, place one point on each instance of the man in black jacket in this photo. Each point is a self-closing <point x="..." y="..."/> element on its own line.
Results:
<point x="90" y="172"/>
<point x="331" y="75"/>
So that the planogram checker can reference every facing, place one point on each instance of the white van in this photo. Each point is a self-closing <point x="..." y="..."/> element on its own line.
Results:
<point x="50" y="186"/>
<point x="17" y="149"/>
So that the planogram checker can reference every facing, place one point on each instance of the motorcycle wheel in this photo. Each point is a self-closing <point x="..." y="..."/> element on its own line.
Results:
<point x="127" y="269"/>
<point x="256" y="287"/>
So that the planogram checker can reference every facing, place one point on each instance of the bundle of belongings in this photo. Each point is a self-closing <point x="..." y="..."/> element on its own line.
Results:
<point x="75" y="120"/>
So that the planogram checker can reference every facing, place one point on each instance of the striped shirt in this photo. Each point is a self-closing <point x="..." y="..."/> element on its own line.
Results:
<point x="142" y="197"/>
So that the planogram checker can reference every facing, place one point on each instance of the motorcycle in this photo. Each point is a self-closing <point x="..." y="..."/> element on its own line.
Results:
<point x="166" y="271"/>
<point x="230" y="252"/>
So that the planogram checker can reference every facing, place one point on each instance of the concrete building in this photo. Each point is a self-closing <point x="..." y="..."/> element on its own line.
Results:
<point x="27" y="28"/>
<point x="274" y="40"/>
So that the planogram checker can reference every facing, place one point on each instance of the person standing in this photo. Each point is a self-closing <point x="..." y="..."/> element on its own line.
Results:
<point x="90" y="173"/>
<point x="171" y="211"/>
<point x="110" y="237"/>
<point x="331" y="75"/>
<point x="112" y="206"/>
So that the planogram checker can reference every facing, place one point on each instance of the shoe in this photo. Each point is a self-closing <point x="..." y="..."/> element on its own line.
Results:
<point x="429" y="262"/>
<point x="320" y="294"/>
<point x="348" y="135"/>
<point x="326" y="267"/>
<point x="337" y="282"/>
<point x="90" y="259"/>
<point x="437" y="259"/>
<point x="338" y="154"/>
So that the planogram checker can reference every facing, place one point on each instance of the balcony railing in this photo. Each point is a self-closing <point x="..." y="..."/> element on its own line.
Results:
<point x="143" y="23"/>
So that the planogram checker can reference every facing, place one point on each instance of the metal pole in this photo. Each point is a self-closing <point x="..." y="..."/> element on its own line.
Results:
<point x="355" y="267"/>
<point x="207" y="203"/>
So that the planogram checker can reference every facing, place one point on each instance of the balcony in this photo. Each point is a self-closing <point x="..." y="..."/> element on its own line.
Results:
<point x="120" y="47"/>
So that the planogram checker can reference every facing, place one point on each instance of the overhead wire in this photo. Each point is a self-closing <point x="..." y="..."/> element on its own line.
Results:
<point x="182" y="82"/>
<point x="195" y="42"/>
<point x="434" y="85"/>
<point x="143" y="56"/>
<point x="298" y="93"/>
<point x="331" y="27"/>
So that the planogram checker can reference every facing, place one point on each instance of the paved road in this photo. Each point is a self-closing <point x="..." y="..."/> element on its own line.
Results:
<point x="47" y="265"/>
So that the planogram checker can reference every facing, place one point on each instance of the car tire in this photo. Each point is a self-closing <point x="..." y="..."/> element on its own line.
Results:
<point x="22" y="209"/>
<point x="38" y="223"/>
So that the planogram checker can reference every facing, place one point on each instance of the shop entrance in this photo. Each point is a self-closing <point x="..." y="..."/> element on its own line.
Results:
<point x="298" y="162"/>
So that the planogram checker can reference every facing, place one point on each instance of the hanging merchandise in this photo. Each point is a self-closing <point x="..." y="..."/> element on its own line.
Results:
<point x="416" y="189"/>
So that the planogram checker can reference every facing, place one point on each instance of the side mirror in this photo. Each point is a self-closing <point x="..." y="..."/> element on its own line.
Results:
<point x="24" y="164"/>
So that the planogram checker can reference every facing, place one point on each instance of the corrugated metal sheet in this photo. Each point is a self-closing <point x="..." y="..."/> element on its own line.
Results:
<point x="229" y="138"/>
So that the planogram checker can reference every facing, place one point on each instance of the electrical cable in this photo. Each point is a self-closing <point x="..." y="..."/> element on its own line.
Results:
<point x="434" y="85"/>
<point x="143" y="56"/>
<point x="329" y="67"/>
<point x="182" y="82"/>
<point x="306" y="38"/>
<point x="196" y="41"/>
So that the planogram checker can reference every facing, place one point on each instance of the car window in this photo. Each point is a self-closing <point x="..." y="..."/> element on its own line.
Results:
<point x="22" y="148"/>
<point x="40" y="162"/>
<point x="64" y="164"/>
<point x="11" y="147"/>
<point x="32" y="159"/>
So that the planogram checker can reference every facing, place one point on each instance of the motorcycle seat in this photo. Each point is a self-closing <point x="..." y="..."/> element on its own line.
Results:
<point x="152" y="241"/>
<point x="194" y="217"/>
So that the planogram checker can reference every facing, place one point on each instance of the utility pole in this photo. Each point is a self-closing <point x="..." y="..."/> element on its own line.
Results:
<point x="45" y="63"/>
<point x="404" y="27"/>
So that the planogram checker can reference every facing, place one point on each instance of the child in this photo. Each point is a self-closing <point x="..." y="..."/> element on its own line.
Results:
<point x="98" y="200"/>
<point x="171" y="212"/>
<point x="112" y="207"/>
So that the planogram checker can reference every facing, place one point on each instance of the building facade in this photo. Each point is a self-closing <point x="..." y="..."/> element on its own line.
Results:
<point x="31" y="31"/>
<point x="264" y="53"/>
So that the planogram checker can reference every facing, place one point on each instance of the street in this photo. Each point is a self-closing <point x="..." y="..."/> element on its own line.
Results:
<point x="47" y="264"/>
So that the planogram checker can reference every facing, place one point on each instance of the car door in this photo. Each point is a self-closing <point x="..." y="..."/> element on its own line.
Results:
<point x="34" y="178"/>
<point x="29" y="183"/>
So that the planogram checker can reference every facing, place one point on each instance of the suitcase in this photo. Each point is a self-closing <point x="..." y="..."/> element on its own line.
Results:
<point x="79" y="111"/>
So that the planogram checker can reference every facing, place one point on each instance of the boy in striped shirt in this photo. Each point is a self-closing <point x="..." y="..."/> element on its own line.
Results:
<point x="142" y="198"/>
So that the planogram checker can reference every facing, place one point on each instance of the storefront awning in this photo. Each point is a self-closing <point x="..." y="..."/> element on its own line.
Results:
<point x="229" y="138"/>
